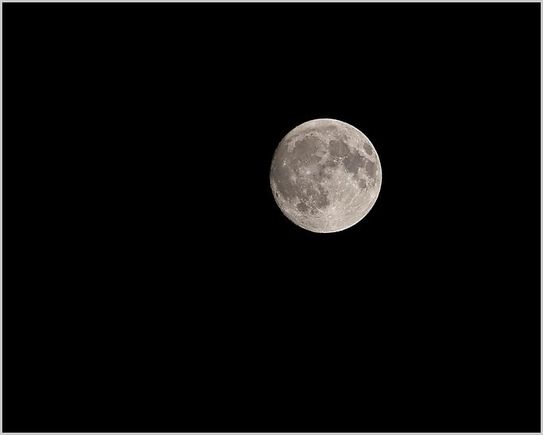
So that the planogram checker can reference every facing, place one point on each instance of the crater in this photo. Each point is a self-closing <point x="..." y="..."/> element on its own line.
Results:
<point x="329" y="129"/>
<point x="317" y="196"/>
<point x="302" y="207"/>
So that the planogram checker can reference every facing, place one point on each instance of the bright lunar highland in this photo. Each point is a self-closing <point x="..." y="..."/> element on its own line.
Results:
<point x="325" y="175"/>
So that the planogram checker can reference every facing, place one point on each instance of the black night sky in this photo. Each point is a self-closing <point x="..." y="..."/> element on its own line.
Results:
<point x="152" y="284"/>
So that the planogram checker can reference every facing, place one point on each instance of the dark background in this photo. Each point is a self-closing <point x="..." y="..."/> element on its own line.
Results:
<point x="152" y="284"/>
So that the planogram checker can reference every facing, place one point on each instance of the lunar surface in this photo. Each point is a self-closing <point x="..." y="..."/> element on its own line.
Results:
<point x="325" y="175"/>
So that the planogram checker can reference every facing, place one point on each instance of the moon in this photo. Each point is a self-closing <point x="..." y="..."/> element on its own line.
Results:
<point x="325" y="175"/>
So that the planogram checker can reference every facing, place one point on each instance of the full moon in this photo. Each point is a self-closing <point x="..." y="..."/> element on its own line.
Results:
<point x="325" y="175"/>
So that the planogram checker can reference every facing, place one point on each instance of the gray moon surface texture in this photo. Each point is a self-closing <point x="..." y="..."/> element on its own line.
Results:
<point x="325" y="175"/>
